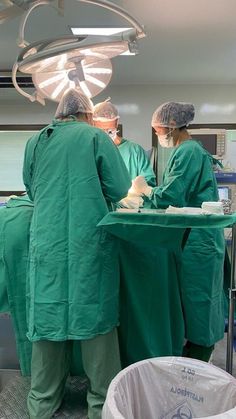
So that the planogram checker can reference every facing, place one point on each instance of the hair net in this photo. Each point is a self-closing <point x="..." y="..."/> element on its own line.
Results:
<point x="173" y="114"/>
<point x="105" y="111"/>
<point x="72" y="102"/>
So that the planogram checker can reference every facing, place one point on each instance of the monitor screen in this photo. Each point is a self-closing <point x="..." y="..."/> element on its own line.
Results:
<point x="223" y="192"/>
<point x="209" y="142"/>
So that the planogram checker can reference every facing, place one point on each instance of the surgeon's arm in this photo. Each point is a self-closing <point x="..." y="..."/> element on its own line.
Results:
<point x="114" y="177"/>
<point x="179" y="181"/>
<point x="28" y="164"/>
<point x="26" y="172"/>
<point x="145" y="168"/>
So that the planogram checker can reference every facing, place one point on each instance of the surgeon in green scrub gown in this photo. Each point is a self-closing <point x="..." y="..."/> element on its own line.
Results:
<point x="106" y="117"/>
<point x="188" y="181"/>
<point x="15" y="220"/>
<point x="72" y="172"/>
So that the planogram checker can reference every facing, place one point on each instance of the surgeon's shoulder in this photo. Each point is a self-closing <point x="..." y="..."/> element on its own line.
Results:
<point x="31" y="143"/>
<point x="99" y="132"/>
<point x="102" y="137"/>
<point x="190" y="149"/>
<point x="32" y="140"/>
<point x="134" y="146"/>
<point x="89" y="130"/>
<point x="191" y="146"/>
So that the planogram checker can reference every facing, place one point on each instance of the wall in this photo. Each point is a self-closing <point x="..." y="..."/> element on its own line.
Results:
<point x="214" y="103"/>
<point x="12" y="145"/>
<point x="136" y="103"/>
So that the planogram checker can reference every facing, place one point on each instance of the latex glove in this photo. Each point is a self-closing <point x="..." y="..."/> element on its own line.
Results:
<point x="131" y="201"/>
<point x="140" y="186"/>
<point x="10" y="197"/>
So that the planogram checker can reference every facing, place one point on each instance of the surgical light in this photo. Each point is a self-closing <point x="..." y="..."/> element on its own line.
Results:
<point x="99" y="31"/>
<point x="78" y="61"/>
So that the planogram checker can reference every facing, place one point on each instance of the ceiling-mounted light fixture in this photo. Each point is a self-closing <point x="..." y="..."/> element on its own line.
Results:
<point x="81" y="62"/>
<point x="105" y="31"/>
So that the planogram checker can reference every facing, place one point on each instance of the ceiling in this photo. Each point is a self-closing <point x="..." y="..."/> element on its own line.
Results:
<point x="188" y="41"/>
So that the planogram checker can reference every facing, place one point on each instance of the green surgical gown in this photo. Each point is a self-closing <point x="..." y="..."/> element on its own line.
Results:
<point x="72" y="171"/>
<point x="188" y="181"/>
<point x="15" y="221"/>
<point x="136" y="161"/>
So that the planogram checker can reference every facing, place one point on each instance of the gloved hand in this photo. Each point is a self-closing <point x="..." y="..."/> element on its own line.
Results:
<point x="140" y="186"/>
<point x="10" y="197"/>
<point x="131" y="201"/>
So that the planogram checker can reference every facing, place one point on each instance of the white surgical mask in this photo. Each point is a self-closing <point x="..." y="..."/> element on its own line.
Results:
<point x="112" y="133"/>
<point x="166" y="140"/>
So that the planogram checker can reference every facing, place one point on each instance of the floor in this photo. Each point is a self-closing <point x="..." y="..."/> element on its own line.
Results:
<point x="14" y="389"/>
<point x="219" y="355"/>
<point x="13" y="399"/>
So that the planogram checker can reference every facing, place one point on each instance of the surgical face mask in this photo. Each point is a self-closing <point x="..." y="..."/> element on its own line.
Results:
<point x="112" y="133"/>
<point x="166" y="140"/>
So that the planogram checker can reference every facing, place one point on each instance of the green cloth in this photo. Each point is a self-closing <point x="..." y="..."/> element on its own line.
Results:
<point x="152" y="321"/>
<point x="227" y="283"/>
<point x="151" y="316"/>
<point x="70" y="170"/>
<point x="15" y="221"/>
<point x="149" y="220"/>
<point x="122" y="222"/>
<point x="14" y="240"/>
<point x="143" y="228"/>
<point x="189" y="180"/>
<point x="202" y="286"/>
<point x="50" y="368"/>
<point x="136" y="161"/>
<point x="4" y="303"/>
<point x="203" y="353"/>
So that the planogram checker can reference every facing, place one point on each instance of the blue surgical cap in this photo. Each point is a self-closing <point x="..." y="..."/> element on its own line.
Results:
<point x="173" y="115"/>
<point x="72" y="102"/>
<point x="105" y="111"/>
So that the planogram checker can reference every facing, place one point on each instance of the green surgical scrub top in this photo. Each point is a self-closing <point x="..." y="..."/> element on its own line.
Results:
<point x="188" y="181"/>
<point x="136" y="161"/>
<point x="72" y="171"/>
<point x="15" y="221"/>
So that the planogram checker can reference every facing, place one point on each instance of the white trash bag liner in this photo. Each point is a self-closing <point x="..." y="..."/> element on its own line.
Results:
<point x="171" y="388"/>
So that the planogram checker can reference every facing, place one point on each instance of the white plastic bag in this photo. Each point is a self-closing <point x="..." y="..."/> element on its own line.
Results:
<point x="171" y="388"/>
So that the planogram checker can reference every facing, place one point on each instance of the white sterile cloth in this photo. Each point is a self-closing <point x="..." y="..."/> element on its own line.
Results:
<point x="207" y="208"/>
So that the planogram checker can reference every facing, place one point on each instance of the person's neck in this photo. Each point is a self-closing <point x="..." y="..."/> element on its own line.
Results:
<point x="74" y="118"/>
<point x="117" y="140"/>
<point x="183" y="136"/>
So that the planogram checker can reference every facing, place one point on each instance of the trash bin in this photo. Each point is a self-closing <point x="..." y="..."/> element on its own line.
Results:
<point x="171" y="388"/>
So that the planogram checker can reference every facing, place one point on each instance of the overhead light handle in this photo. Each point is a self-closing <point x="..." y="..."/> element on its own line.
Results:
<point x="21" y="40"/>
<point x="32" y="98"/>
<point x="121" y="12"/>
<point x="102" y="3"/>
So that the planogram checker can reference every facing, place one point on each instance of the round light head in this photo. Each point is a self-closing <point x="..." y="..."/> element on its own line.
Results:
<point x="91" y="78"/>
<point x="57" y="68"/>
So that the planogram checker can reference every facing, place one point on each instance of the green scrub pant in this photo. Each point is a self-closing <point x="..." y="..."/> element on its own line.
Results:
<point x="192" y="350"/>
<point x="50" y="368"/>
